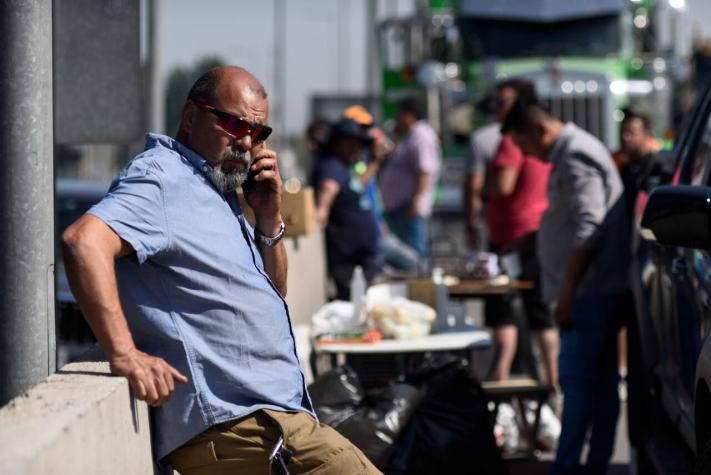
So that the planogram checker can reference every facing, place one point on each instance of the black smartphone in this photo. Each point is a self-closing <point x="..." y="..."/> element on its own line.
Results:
<point x="250" y="183"/>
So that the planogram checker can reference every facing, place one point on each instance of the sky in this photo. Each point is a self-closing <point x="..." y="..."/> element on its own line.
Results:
<point x="700" y="13"/>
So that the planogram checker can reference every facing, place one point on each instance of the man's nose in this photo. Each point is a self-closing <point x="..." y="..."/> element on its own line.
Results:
<point x="243" y="143"/>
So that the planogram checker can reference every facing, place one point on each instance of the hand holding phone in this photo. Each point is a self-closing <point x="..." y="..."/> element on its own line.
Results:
<point x="250" y="183"/>
<point x="262" y="189"/>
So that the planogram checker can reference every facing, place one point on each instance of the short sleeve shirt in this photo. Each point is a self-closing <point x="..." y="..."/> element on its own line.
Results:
<point x="352" y="231"/>
<point x="483" y="147"/>
<point x="419" y="152"/>
<point x="518" y="214"/>
<point x="196" y="294"/>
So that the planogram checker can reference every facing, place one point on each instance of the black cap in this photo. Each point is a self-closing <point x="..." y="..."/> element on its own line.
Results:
<point x="350" y="128"/>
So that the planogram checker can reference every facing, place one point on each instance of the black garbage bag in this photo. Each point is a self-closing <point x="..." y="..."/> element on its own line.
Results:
<point x="451" y="431"/>
<point x="375" y="427"/>
<point x="336" y="395"/>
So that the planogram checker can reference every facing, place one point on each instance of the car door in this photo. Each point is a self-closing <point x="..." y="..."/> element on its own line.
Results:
<point x="682" y="295"/>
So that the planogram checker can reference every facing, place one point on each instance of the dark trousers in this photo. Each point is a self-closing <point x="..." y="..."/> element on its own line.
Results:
<point x="588" y="378"/>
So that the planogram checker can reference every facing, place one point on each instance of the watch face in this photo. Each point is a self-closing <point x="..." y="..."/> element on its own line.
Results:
<point x="270" y="241"/>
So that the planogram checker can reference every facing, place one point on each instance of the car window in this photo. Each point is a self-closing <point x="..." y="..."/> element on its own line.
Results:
<point x="701" y="157"/>
<point x="694" y="151"/>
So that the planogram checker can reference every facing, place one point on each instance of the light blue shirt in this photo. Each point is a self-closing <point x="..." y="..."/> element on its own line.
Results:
<point x="196" y="294"/>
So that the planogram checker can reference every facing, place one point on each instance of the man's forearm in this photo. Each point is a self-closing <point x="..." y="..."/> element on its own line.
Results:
<point x="422" y="185"/>
<point x="90" y="249"/>
<point x="274" y="257"/>
<point x="92" y="278"/>
<point x="472" y="198"/>
<point x="503" y="182"/>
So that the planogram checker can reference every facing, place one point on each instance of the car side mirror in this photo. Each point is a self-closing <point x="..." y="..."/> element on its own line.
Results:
<point x="678" y="215"/>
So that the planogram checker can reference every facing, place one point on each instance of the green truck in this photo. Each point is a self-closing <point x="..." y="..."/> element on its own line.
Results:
<point x="588" y="60"/>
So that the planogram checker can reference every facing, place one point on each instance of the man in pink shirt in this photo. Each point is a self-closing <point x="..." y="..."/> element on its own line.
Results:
<point x="408" y="179"/>
<point x="516" y="190"/>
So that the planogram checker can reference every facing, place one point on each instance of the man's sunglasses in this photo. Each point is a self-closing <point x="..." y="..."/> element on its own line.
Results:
<point x="238" y="126"/>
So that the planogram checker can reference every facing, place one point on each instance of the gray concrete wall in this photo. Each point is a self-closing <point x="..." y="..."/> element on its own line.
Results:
<point x="81" y="421"/>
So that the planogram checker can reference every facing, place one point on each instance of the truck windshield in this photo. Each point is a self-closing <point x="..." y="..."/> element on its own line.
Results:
<point x="485" y="38"/>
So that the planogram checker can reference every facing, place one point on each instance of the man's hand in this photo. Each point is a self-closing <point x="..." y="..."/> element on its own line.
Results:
<point x="151" y="379"/>
<point x="414" y="210"/>
<point x="265" y="200"/>
<point x="382" y="145"/>
<point x="265" y="197"/>
<point x="322" y="217"/>
<point x="563" y="313"/>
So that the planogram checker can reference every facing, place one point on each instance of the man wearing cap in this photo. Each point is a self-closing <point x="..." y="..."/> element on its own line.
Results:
<point x="342" y="209"/>
<point x="392" y="252"/>
<point x="186" y="298"/>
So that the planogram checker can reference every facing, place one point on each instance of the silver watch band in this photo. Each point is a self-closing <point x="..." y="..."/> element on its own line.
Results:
<point x="270" y="241"/>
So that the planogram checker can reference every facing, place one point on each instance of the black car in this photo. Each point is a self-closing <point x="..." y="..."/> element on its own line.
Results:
<point x="73" y="199"/>
<point x="669" y="352"/>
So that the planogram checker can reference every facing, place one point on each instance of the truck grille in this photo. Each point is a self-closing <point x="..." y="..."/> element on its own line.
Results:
<point x="587" y="111"/>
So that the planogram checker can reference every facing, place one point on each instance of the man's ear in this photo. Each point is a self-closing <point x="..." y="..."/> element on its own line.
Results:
<point x="540" y="132"/>
<point x="188" y="117"/>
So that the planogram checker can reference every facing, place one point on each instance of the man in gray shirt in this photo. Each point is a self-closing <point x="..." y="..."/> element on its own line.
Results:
<point x="582" y="246"/>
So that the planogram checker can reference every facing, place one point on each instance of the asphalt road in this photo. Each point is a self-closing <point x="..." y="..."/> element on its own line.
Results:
<point x="620" y="460"/>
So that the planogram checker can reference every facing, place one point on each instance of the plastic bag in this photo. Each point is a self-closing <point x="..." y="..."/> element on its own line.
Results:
<point x="451" y="431"/>
<point x="401" y="318"/>
<point x="336" y="395"/>
<point x="375" y="427"/>
<point x="372" y="422"/>
<point x="548" y="427"/>
<point x="506" y="431"/>
<point x="334" y="317"/>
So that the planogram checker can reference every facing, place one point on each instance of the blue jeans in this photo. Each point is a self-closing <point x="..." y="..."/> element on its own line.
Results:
<point x="588" y="378"/>
<point x="396" y="254"/>
<point x="410" y="230"/>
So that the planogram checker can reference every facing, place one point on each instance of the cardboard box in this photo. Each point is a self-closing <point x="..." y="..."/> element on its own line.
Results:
<point x="434" y="295"/>
<point x="422" y="290"/>
<point x="297" y="210"/>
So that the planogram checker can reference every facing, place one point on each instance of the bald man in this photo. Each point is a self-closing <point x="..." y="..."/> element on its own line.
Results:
<point x="187" y="299"/>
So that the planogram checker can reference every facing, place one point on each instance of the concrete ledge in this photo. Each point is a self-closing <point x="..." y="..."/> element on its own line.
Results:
<point x="84" y="421"/>
<point x="80" y="420"/>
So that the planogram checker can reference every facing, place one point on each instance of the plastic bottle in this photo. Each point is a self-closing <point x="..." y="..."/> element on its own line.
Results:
<point x="358" y="294"/>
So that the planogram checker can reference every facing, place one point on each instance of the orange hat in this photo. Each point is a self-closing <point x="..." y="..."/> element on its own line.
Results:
<point x="359" y="114"/>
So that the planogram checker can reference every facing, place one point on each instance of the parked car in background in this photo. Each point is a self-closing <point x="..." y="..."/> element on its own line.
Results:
<point x="669" y="349"/>
<point x="73" y="199"/>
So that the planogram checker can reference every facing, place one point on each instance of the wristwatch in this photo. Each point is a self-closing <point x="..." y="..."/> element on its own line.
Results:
<point x="270" y="241"/>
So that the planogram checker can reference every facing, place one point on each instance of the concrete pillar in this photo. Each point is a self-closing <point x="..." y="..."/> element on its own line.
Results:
<point x="27" y="330"/>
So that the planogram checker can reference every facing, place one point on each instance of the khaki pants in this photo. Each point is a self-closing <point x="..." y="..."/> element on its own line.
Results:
<point x="243" y="446"/>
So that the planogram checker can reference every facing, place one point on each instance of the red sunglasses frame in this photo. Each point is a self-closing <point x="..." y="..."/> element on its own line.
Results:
<point x="236" y="126"/>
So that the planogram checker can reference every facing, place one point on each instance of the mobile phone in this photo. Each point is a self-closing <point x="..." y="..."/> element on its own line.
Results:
<point x="250" y="183"/>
